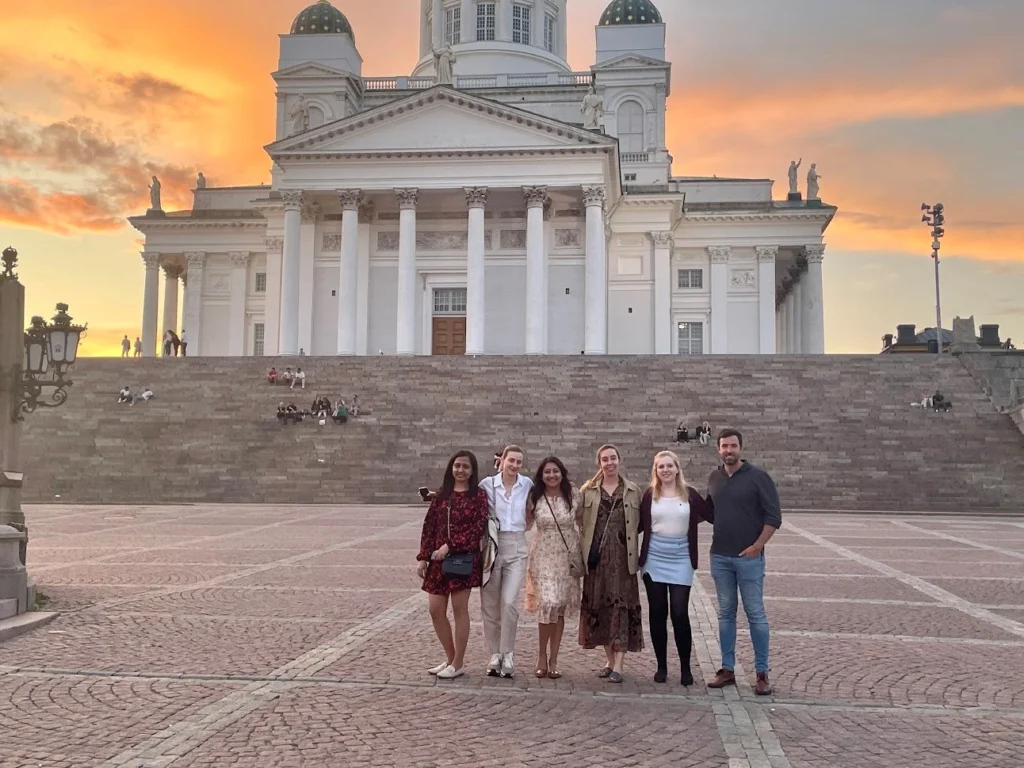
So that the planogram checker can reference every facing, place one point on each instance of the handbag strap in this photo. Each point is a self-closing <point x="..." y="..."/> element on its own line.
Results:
<point x="555" y="518"/>
<point x="607" y="522"/>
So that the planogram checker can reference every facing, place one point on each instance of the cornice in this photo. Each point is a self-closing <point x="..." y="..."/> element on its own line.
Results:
<point x="822" y="216"/>
<point x="419" y="154"/>
<point x="164" y="225"/>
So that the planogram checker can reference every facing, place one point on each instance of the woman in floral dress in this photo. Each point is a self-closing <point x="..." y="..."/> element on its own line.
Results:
<point x="454" y="524"/>
<point x="552" y="586"/>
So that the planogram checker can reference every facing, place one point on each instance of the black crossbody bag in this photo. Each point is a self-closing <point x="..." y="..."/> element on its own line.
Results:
<point x="456" y="563"/>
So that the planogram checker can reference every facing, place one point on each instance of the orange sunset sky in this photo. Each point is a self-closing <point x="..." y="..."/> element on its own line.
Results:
<point x="898" y="101"/>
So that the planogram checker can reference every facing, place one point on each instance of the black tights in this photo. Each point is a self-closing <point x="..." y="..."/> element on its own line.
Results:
<point x="659" y="596"/>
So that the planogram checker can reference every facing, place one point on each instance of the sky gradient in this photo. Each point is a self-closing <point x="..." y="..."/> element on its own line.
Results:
<point x="898" y="103"/>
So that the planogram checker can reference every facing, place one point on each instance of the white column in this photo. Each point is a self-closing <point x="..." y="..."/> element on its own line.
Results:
<point x="766" y="255"/>
<point x="468" y="21"/>
<point x="814" y="305"/>
<point x="596" y="276"/>
<point x="150" y="297"/>
<point x="348" y="286"/>
<point x="291" y="263"/>
<point x="239" y="290"/>
<point x="503" y="23"/>
<point x="406" y="336"/>
<point x="798" y="317"/>
<point x="476" y="283"/>
<point x="537" y="22"/>
<point x="438" y="28"/>
<point x="171" y="277"/>
<point x="536" y="272"/>
<point x="784" y="321"/>
<point x="780" y="338"/>
<point x="311" y="217"/>
<point x="366" y="215"/>
<point x="719" y="299"/>
<point x="191" y="325"/>
<point x="272" y="299"/>
<point x="662" y="292"/>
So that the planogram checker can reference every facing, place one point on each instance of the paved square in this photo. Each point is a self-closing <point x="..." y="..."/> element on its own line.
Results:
<point x="255" y="636"/>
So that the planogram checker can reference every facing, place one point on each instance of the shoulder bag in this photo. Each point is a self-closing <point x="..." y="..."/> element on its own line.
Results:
<point x="576" y="569"/>
<point x="594" y="556"/>
<point x="458" y="564"/>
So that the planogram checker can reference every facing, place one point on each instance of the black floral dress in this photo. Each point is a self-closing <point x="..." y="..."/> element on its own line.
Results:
<point x="610" y="614"/>
<point x="468" y="522"/>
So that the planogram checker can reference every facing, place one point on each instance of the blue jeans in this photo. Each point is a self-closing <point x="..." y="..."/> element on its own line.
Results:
<point x="746" y="574"/>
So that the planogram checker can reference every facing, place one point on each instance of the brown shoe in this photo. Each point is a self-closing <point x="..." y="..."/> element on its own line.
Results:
<point x="762" y="687"/>
<point x="722" y="678"/>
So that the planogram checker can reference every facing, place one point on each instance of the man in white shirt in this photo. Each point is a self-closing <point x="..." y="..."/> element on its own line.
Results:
<point x="184" y="343"/>
<point x="126" y="346"/>
<point x="300" y="379"/>
<point x="507" y="495"/>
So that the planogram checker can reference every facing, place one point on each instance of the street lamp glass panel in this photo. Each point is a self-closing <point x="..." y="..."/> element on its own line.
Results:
<point x="58" y="344"/>
<point x="35" y="357"/>
<point x="71" y="348"/>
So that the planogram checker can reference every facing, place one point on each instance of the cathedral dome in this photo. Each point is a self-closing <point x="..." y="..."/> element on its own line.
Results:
<point x="621" y="12"/>
<point x="322" y="18"/>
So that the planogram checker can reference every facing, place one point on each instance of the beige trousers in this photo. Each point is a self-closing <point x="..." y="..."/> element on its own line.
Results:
<point x="498" y="598"/>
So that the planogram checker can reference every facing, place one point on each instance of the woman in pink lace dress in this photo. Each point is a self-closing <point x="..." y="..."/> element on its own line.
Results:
<point x="552" y="586"/>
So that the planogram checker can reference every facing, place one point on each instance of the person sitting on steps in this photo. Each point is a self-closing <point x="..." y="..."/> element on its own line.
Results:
<point x="299" y="379"/>
<point x="125" y="395"/>
<point x="940" y="403"/>
<point x="682" y="433"/>
<point x="287" y="377"/>
<point x="272" y="376"/>
<point x="340" y="413"/>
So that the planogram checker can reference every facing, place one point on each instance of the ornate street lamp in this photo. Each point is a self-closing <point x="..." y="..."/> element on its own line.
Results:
<point x="50" y="351"/>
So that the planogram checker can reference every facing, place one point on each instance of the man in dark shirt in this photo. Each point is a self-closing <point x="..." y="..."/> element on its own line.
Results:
<point x="747" y="513"/>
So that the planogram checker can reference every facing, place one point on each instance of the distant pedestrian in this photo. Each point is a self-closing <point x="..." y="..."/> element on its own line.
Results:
<point x="168" y="343"/>
<point x="126" y="346"/>
<point x="183" y="341"/>
<point x="747" y="514"/>
<point x="138" y="347"/>
<point x="175" y="342"/>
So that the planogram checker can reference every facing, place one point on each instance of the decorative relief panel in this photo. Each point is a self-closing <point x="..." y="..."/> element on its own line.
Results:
<point x="567" y="238"/>
<point x="387" y="241"/>
<point x="568" y="213"/>
<point x="631" y="241"/>
<point x="332" y="242"/>
<point x="217" y="282"/>
<point x="513" y="239"/>
<point x="743" y="278"/>
<point x="442" y="241"/>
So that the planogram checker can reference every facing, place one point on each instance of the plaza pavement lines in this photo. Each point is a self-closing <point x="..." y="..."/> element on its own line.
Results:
<point x="960" y="540"/>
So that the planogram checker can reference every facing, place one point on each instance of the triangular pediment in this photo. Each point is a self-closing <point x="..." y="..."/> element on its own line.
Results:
<point x="439" y="118"/>
<point x="631" y="60"/>
<point x="308" y="71"/>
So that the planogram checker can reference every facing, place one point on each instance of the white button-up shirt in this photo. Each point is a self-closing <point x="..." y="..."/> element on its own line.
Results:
<point x="509" y="510"/>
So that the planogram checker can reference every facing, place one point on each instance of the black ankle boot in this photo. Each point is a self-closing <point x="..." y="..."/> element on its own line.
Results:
<point x="687" y="677"/>
<point x="661" y="675"/>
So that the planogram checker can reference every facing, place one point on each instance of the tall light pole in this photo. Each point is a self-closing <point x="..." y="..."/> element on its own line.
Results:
<point x="935" y="217"/>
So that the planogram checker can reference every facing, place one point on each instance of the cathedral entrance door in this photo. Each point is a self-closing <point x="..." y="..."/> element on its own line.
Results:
<point x="449" y="336"/>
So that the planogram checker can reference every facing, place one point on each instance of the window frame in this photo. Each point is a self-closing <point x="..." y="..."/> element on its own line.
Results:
<point x="259" y="339"/>
<point x="522" y="24"/>
<point x="692" y="325"/>
<point x="449" y="302"/>
<point x="453" y="25"/>
<point x="689" y="271"/>
<point x="550" y="32"/>
<point x="486" y="22"/>
<point x="261" y="277"/>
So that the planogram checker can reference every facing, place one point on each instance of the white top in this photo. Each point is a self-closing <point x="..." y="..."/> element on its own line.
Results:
<point x="670" y="516"/>
<point x="510" y="509"/>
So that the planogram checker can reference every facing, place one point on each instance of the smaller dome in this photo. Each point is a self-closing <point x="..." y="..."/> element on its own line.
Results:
<point x="321" y="18"/>
<point x="630" y="12"/>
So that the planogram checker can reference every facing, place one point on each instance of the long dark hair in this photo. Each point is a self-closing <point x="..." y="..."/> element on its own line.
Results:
<point x="538" y="481"/>
<point x="448" y="484"/>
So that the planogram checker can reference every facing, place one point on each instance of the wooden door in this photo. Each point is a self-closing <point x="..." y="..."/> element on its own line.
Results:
<point x="449" y="337"/>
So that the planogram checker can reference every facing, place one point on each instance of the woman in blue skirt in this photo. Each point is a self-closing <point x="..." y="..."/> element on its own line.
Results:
<point x="669" y="514"/>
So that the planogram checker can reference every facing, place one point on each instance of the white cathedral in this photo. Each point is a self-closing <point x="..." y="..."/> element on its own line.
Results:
<point x="492" y="202"/>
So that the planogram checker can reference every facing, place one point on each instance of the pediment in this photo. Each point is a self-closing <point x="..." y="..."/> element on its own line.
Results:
<point x="631" y="60"/>
<point x="309" y="71"/>
<point x="439" y="119"/>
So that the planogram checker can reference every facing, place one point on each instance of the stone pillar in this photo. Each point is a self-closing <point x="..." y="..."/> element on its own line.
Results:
<point x="503" y="24"/>
<point x="290" y="272"/>
<point x="662" y="292"/>
<point x="537" y="24"/>
<point x="272" y="298"/>
<point x="476" y="266"/>
<point x="766" y="255"/>
<point x="797" y="324"/>
<point x="150" y="297"/>
<point x="468" y="21"/>
<point x="814" y="304"/>
<point x="311" y="217"/>
<point x="348" y="286"/>
<point x="784" y="323"/>
<point x="719" y="299"/>
<point x="191" y="325"/>
<point x="239" y="291"/>
<point x="596" y="278"/>
<point x="406" y="337"/>
<point x="12" y="356"/>
<point x="13" y="577"/>
<point x="536" y="272"/>
<point x="171" y="277"/>
<point x="438" y="27"/>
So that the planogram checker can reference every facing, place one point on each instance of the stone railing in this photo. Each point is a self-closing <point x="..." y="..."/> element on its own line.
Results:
<point x="1017" y="415"/>
<point x="634" y="157"/>
<point x="1000" y="373"/>
<point x="543" y="79"/>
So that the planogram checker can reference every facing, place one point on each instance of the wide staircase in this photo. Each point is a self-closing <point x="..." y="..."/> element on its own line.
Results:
<point x="836" y="432"/>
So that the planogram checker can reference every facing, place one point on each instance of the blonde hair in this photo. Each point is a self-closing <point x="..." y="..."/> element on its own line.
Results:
<point x="656" y="490"/>
<point x="512" y="449"/>
<point x="598" y="478"/>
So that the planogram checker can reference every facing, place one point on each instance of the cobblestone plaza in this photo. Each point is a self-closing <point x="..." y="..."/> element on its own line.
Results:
<point x="263" y="636"/>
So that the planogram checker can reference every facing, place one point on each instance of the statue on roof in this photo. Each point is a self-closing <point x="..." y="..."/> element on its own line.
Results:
<point x="592" y="109"/>
<point x="812" y="182"/>
<point x="444" y="63"/>
<point x="154" y="195"/>
<point x="300" y="115"/>
<point x="201" y="181"/>
<point x="794" y="185"/>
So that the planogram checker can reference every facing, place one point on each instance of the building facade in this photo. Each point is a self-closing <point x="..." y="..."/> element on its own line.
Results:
<point x="492" y="202"/>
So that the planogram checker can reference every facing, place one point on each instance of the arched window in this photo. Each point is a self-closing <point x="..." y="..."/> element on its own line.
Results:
<point x="630" y="121"/>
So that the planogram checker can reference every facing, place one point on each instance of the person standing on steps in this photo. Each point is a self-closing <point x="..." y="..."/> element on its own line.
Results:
<point x="450" y="562"/>
<point x="610" y="612"/>
<point x="747" y="514"/>
<point x="669" y="514"/>
<point x="126" y="346"/>
<point x="507" y="494"/>
<point x="183" y="341"/>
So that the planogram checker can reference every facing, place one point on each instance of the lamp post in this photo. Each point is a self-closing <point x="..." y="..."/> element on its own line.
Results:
<point x="34" y="364"/>
<point x="935" y="217"/>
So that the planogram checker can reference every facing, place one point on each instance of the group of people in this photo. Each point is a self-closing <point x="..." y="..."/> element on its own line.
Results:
<point x="126" y="346"/>
<point x="321" y="409"/>
<point x="701" y="434"/>
<point x="174" y="344"/>
<point x="936" y="401"/>
<point x="605" y="533"/>
<point x="126" y="395"/>
<point x="288" y="378"/>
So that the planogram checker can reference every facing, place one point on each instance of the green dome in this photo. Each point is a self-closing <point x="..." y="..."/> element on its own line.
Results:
<point x="322" y="18"/>
<point x="630" y="12"/>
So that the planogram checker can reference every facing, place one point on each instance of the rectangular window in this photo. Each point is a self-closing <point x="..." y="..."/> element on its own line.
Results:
<point x="691" y="338"/>
<point x="691" y="278"/>
<point x="521" y="24"/>
<point x="449" y="301"/>
<point x="261" y="282"/>
<point x="257" y="339"/>
<point x="485" y="21"/>
<point x="453" y="25"/>
<point x="550" y="24"/>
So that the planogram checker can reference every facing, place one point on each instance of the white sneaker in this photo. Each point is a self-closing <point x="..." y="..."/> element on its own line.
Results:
<point x="438" y="669"/>
<point x="508" y="666"/>
<point x="494" y="666"/>
<point x="450" y="673"/>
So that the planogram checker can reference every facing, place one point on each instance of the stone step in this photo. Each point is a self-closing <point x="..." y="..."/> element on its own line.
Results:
<point x="8" y="608"/>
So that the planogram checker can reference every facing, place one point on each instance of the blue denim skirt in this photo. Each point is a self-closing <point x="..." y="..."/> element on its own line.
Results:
<point x="668" y="560"/>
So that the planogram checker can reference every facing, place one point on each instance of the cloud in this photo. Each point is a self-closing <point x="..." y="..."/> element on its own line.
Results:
<point x="143" y="90"/>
